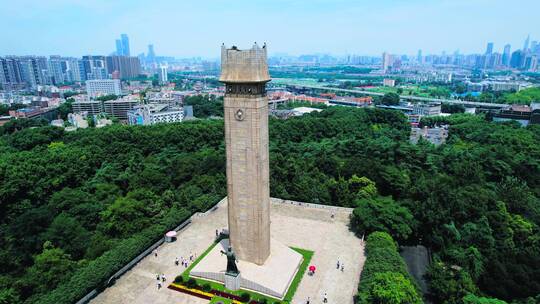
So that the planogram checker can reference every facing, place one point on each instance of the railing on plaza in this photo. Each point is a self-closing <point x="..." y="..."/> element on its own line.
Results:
<point x="145" y="253"/>
<point x="183" y="225"/>
<point x="310" y="205"/>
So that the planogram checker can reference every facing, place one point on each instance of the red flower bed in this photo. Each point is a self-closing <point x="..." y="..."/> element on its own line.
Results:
<point x="224" y="294"/>
<point x="218" y="293"/>
<point x="229" y="296"/>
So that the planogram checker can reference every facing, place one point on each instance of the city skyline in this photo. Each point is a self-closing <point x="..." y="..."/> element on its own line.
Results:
<point x="192" y="29"/>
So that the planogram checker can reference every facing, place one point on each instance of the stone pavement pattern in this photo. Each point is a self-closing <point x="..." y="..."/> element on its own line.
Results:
<point x="293" y="225"/>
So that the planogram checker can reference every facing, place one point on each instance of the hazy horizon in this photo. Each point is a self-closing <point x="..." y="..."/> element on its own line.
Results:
<point x="198" y="28"/>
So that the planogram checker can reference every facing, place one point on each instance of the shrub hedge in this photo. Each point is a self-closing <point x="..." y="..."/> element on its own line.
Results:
<point x="96" y="273"/>
<point x="244" y="297"/>
<point x="381" y="256"/>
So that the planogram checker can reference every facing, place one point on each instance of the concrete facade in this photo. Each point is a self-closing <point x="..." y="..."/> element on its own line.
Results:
<point x="246" y="136"/>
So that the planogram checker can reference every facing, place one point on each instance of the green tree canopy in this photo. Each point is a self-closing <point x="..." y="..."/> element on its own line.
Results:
<point x="382" y="214"/>
<point x="393" y="288"/>
<point x="390" y="99"/>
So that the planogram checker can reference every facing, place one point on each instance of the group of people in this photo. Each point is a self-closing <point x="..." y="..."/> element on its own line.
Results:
<point x="185" y="262"/>
<point x="177" y="261"/>
<point x="160" y="279"/>
<point x="325" y="299"/>
<point x="340" y="266"/>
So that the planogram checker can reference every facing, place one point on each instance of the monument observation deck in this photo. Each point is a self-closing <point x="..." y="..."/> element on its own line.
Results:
<point x="244" y="66"/>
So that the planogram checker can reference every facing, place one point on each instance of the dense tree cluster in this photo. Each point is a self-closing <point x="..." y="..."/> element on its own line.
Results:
<point x="384" y="276"/>
<point x="525" y="96"/>
<point x="474" y="201"/>
<point x="4" y="109"/>
<point x="68" y="200"/>
<point x="390" y="99"/>
<point x="107" y="97"/>
<point x="77" y="202"/>
<point x="205" y="106"/>
<point x="452" y="108"/>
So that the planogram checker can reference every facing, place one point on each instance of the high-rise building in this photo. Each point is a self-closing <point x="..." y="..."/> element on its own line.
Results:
<point x="386" y="62"/>
<point x="122" y="45"/>
<point x="119" y="48"/>
<point x="97" y="73"/>
<point x="21" y="71"/>
<point x="516" y="61"/>
<point x="526" y="44"/>
<point x="129" y="67"/>
<point x="125" y="45"/>
<point x="151" y="56"/>
<point x="57" y="69"/>
<point x="506" y="55"/>
<point x="75" y="70"/>
<point x="489" y="48"/>
<point x="530" y="63"/>
<point x="10" y="73"/>
<point x="534" y="46"/>
<point x="34" y="70"/>
<point x="495" y="60"/>
<point x="419" y="58"/>
<point x="94" y="67"/>
<point x="163" y="77"/>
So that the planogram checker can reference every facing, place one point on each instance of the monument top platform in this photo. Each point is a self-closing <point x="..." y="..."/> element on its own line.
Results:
<point x="244" y="66"/>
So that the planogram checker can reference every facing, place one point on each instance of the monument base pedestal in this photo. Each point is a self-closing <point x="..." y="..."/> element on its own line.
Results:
<point x="232" y="281"/>
<point x="272" y="278"/>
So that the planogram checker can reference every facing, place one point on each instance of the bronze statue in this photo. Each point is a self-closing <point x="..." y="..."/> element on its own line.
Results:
<point x="231" y="261"/>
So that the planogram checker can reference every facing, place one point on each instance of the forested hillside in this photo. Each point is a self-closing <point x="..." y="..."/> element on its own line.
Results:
<point x="69" y="201"/>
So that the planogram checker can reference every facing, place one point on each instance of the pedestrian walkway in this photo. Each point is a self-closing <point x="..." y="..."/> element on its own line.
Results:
<point x="292" y="225"/>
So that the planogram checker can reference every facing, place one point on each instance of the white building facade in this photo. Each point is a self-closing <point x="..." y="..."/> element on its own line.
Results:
<point x="99" y="87"/>
<point x="155" y="113"/>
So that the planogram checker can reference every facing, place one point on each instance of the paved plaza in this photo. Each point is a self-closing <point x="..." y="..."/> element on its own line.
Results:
<point x="293" y="225"/>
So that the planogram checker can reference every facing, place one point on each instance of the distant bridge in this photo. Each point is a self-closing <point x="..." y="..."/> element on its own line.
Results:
<point x="409" y="97"/>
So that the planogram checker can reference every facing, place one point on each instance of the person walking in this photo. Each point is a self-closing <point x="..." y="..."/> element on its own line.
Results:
<point x="158" y="285"/>
<point x="155" y="253"/>
<point x="307" y="301"/>
<point x="163" y="277"/>
<point x="337" y="266"/>
<point x="325" y="298"/>
<point x="176" y="262"/>
<point x="342" y="267"/>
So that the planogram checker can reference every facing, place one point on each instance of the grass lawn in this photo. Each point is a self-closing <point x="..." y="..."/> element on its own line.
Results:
<point x="306" y="254"/>
<point x="220" y="299"/>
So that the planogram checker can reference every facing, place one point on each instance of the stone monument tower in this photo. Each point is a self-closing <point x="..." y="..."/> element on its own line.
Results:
<point x="245" y="74"/>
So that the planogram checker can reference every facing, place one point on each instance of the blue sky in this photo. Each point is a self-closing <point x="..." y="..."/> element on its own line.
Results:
<point x="186" y="28"/>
